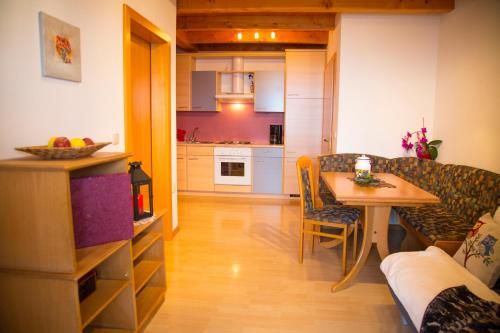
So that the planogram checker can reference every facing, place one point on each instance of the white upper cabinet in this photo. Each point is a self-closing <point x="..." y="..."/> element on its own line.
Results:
<point x="269" y="91"/>
<point x="305" y="73"/>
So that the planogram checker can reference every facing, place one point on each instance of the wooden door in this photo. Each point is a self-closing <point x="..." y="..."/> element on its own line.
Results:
<point x="327" y="136"/>
<point x="141" y="107"/>
<point x="304" y="73"/>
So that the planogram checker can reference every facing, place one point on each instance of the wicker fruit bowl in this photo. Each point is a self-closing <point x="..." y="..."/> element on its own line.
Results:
<point x="66" y="153"/>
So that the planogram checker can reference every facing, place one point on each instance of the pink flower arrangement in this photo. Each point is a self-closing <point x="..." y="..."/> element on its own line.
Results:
<point x="423" y="148"/>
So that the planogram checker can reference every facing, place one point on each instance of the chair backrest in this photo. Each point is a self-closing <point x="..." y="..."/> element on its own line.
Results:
<point x="306" y="184"/>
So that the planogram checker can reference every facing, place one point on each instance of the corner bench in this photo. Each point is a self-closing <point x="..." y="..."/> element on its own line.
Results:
<point x="466" y="193"/>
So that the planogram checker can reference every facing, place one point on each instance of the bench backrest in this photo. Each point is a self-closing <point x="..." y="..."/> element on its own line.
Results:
<point x="465" y="191"/>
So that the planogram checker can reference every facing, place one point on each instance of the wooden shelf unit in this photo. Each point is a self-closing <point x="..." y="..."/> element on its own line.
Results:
<point x="40" y="266"/>
<point x="149" y="269"/>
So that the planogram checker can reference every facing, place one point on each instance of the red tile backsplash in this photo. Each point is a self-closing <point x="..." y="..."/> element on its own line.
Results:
<point x="237" y="122"/>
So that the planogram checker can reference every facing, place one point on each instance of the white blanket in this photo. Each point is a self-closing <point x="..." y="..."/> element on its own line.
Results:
<point x="417" y="277"/>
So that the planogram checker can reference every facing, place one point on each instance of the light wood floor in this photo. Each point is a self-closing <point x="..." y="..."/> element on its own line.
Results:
<point x="233" y="268"/>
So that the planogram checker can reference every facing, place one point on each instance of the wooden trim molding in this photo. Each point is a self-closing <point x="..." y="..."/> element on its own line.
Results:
<point x="161" y="46"/>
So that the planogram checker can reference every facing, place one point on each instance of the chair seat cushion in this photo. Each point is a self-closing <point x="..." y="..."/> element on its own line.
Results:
<point x="344" y="215"/>
<point x="435" y="222"/>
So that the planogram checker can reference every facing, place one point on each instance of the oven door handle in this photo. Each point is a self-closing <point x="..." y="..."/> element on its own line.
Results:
<point x="233" y="159"/>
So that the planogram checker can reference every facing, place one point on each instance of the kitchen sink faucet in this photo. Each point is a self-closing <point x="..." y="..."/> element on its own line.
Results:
<point x="192" y="137"/>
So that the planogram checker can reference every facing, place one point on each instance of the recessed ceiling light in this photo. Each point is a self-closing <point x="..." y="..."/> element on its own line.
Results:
<point x="239" y="36"/>
<point x="273" y="35"/>
<point x="256" y="35"/>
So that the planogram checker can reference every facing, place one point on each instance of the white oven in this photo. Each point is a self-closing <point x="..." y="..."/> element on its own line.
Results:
<point x="233" y="166"/>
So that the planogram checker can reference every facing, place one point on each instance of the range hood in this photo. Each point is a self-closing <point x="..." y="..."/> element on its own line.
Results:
<point x="238" y="94"/>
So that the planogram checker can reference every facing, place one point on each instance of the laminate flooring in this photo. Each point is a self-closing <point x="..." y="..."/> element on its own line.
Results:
<point x="233" y="268"/>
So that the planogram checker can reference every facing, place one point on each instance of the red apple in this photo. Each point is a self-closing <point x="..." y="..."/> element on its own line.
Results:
<point x="62" y="142"/>
<point x="88" y="141"/>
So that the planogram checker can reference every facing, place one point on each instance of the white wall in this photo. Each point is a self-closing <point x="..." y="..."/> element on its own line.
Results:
<point x="467" y="110"/>
<point x="387" y="80"/>
<point x="34" y="108"/>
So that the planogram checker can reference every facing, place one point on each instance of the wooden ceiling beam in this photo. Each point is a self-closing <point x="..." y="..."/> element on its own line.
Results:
<point x="257" y="21"/>
<point x="235" y="49"/>
<point x="282" y="37"/>
<point x="207" y="7"/>
<point x="183" y="42"/>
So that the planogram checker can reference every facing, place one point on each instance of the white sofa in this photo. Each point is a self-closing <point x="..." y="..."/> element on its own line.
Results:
<point x="416" y="278"/>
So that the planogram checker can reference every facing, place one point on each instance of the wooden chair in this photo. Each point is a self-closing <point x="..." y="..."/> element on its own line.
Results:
<point x="326" y="218"/>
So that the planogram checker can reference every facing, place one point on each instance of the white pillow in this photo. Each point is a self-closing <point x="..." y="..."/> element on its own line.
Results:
<point x="497" y="215"/>
<point x="480" y="251"/>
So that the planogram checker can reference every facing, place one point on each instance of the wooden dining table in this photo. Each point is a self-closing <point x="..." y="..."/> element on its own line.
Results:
<point x="378" y="202"/>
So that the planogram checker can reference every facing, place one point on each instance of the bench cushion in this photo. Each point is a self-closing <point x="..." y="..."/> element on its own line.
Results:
<point x="435" y="222"/>
<point x="418" y="277"/>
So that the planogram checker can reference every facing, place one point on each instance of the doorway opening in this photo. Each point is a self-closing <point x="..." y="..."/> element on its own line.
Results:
<point x="146" y="71"/>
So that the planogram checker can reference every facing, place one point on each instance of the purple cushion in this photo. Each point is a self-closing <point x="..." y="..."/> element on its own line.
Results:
<point x="102" y="209"/>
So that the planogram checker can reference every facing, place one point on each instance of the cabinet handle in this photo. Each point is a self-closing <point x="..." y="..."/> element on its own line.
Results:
<point x="193" y="159"/>
<point x="180" y="158"/>
<point x="293" y="94"/>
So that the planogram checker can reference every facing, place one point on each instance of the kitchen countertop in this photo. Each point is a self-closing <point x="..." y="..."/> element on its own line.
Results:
<point x="251" y="145"/>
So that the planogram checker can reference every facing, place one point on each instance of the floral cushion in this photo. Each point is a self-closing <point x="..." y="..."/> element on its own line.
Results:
<point x="339" y="214"/>
<point x="480" y="251"/>
<point x="435" y="222"/>
<point x="306" y="186"/>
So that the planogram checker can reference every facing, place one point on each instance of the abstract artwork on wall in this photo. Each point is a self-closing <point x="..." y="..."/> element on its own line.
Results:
<point x="60" y="49"/>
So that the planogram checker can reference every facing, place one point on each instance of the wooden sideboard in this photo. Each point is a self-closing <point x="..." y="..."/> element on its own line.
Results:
<point x="40" y="266"/>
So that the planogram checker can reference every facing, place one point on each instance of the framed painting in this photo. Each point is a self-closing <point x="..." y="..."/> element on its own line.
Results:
<point x="60" y="49"/>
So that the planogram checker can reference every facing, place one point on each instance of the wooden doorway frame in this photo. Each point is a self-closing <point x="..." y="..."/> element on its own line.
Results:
<point x="134" y="23"/>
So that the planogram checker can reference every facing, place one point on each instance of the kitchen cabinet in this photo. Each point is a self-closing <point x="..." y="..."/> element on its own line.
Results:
<point x="267" y="170"/>
<point x="181" y="168"/>
<point x="269" y="91"/>
<point x="183" y="82"/>
<point x="200" y="168"/>
<point x="203" y="90"/>
<point x="303" y="125"/>
<point x="305" y="73"/>
<point x="290" y="180"/>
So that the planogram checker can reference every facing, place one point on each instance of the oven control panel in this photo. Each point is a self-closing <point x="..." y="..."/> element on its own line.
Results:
<point x="232" y="151"/>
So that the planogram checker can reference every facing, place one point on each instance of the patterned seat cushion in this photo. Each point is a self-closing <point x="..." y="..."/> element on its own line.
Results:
<point x="435" y="222"/>
<point x="339" y="214"/>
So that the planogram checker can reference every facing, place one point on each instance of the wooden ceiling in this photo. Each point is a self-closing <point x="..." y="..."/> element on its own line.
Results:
<point x="204" y="25"/>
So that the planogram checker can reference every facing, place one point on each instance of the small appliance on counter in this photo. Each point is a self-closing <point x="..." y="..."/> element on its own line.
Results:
<point x="276" y="134"/>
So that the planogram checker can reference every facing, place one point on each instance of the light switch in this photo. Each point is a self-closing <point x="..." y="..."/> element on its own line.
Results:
<point x="116" y="138"/>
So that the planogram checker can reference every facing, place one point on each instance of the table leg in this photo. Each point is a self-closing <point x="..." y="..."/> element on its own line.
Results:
<point x="380" y="217"/>
<point x="365" y="250"/>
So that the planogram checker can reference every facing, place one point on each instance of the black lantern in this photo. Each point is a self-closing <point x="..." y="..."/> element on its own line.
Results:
<point x="141" y="183"/>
